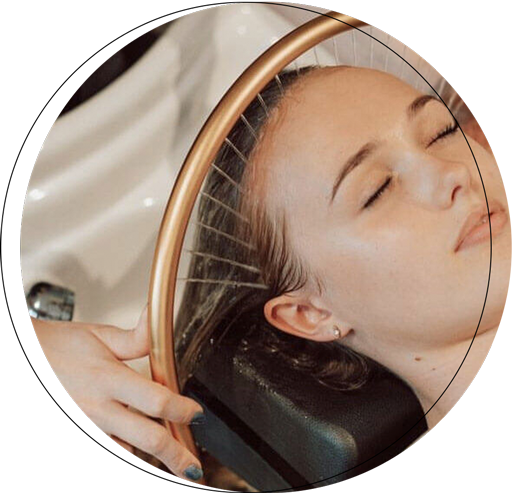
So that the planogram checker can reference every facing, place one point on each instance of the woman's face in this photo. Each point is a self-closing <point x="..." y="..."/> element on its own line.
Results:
<point x="378" y="190"/>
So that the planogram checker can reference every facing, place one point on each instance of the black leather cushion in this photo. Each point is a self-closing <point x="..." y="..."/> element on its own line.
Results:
<point x="278" y="427"/>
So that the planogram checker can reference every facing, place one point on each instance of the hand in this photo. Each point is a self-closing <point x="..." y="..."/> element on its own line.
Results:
<point x="87" y="359"/>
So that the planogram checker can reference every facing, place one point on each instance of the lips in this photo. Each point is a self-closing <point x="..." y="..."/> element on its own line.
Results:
<point x="476" y="226"/>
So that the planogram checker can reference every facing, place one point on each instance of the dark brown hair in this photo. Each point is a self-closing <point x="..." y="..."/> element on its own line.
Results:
<point x="241" y="258"/>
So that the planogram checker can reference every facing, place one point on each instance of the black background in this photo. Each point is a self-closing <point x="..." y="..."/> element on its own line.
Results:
<point x="51" y="48"/>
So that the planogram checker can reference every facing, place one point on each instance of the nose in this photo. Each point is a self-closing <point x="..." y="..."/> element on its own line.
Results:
<point x="455" y="181"/>
<point x="440" y="182"/>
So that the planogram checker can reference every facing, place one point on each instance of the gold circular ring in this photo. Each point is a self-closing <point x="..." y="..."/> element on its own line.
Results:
<point x="189" y="181"/>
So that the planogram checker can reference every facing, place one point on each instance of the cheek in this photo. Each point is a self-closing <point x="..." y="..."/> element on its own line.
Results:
<point x="399" y="275"/>
<point x="488" y="174"/>
<point x="378" y="262"/>
<point x="414" y="295"/>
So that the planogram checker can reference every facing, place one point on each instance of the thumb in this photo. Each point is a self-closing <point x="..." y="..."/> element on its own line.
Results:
<point x="126" y="344"/>
<point x="140" y="335"/>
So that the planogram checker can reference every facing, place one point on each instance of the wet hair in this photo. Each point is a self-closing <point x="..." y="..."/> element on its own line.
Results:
<point x="241" y="259"/>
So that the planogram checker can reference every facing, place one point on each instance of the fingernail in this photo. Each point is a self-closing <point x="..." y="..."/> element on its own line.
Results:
<point x="193" y="472"/>
<point x="198" y="419"/>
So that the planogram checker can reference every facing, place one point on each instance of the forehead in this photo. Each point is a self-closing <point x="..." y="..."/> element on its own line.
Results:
<point x="346" y="104"/>
<point x="325" y="118"/>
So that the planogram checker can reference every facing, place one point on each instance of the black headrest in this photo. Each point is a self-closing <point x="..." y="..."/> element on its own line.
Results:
<point x="278" y="427"/>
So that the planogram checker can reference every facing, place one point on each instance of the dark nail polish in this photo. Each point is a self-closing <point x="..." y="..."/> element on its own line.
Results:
<point x="193" y="472"/>
<point x="198" y="419"/>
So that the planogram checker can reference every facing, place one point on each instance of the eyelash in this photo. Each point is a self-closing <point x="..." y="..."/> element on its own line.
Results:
<point x="447" y="131"/>
<point x="378" y="193"/>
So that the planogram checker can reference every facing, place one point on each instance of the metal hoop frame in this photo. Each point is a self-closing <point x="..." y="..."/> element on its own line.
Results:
<point x="189" y="181"/>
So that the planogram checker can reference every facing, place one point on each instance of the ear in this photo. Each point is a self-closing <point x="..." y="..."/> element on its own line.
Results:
<point x="503" y="159"/>
<point x="304" y="317"/>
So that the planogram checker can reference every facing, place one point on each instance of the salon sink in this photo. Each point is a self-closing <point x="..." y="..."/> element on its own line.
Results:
<point x="103" y="176"/>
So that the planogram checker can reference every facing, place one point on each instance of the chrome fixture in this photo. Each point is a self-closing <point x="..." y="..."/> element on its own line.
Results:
<point x="49" y="302"/>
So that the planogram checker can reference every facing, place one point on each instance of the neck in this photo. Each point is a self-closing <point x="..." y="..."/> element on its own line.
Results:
<point x="439" y="378"/>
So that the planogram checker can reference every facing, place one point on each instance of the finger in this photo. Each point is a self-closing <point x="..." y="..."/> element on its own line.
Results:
<point x="125" y="344"/>
<point x="151" y="398"/>
<point x="152" y="438"/>
<point x="125" y="445"/>
<point x="141" y="332"/>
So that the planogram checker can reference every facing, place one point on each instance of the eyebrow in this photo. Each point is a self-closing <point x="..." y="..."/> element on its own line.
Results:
<point x="419" y="103"/>
<point x="369" y="148"/>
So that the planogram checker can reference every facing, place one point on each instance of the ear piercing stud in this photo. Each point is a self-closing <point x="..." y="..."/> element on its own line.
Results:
<point x="336" y="331"/>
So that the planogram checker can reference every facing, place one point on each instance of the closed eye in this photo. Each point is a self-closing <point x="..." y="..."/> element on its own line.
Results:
<point x="378" y="193"/>
<point x="447" y="131"/>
